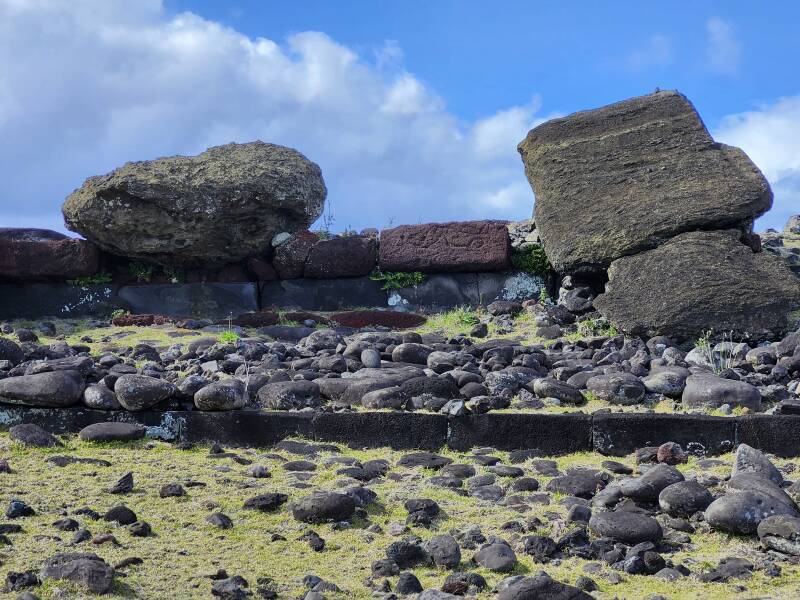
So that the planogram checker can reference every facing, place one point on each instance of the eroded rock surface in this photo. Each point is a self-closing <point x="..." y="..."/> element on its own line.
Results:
<point x="624" y="178"/>
<point x="218" y="207"/>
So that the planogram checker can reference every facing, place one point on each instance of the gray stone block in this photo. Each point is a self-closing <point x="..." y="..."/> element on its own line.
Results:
<point x="322" y="294"/>
<point x="34" y="301"/>
<point x="200" y="300"/>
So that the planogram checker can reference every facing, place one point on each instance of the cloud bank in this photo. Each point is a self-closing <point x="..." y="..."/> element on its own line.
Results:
<point x="90" y="84"/>
<point x="771" y="137"/>
<point x="87" y="85"/>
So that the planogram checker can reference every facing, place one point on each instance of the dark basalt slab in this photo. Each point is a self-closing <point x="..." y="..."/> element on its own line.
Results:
<point x="206" y="300"/>
<point x="401" y="431"/>
<point x="549" y="434"/>
<point x="610" y="434"/>
<point x="33" y="301"/>
<point x="619" y="434"/>
<point x="323" y="294"/>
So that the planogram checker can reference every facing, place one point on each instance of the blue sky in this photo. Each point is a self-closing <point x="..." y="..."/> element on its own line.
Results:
<point x="412" y="109"/>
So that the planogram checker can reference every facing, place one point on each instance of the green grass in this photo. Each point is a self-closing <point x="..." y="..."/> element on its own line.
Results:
<point x="453" y="322"/>
<point x="532" y="261"/>
<point x="187" y="548"/>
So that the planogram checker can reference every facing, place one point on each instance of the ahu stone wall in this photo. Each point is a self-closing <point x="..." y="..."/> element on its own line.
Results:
<point x="426" y="267"/>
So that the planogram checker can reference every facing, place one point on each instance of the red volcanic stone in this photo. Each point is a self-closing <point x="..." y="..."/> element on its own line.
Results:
<point x="290" y="257"/>
<point x="378" y="318"/>
<point x="260" y="269"/>
<point x="264" y="318"/>
<point x="446" y="247"/>
<point x="298" y="316"/>
<point x="43" y="260"/>
<point x="139" y="320"/>
<point x="671" y="453"/>
<point x="349" y="256"/>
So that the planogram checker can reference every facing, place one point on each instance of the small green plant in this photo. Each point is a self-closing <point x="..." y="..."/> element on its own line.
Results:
<point x="96" y="279"/>
<point x="596" y="327"/>
<point x="323" y="234"/>
<point x="397" y="279"/>
<point x="120" y="312"/>
<point x="174" y="274"/>
<point x="228" y="337"/>
<point x="533" y="260"/>
<point x="544" y="297"/>
<point x="721" y="356"/>
<point x="141" y="271"/>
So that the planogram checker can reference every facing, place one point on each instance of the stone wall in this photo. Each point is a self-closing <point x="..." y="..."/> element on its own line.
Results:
<point x="462" y="264"/>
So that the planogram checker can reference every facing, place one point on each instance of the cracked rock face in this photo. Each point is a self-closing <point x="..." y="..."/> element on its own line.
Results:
<point x="218" y="207"/>
<point x="624" y="178"/>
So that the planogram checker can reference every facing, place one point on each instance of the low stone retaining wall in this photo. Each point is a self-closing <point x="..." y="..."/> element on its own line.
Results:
<point x="219" y="300"/>
<point x="612" y="434"/>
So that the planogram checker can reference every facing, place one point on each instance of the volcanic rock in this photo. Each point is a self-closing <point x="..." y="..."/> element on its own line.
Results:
<point x="218" y="207"/>
<point x="446" y="247"/>
<point x="696" y="282"/>
<point x="623" y="178"/>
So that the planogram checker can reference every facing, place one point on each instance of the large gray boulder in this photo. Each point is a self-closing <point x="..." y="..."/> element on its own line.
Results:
<point x="218" y="207"/>
<point x="624" y="178"/>
<point x="706" y="389"/>
<point x="696" y="282"/>
<point x="55" y="389"/>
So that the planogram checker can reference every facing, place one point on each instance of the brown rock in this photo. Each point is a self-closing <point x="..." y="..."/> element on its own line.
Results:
<point x="446" y="247"/>
<point x="213" y="209"/>
<point x="260" y="269"/>
<point x="349" y="256"/>
<point x="47" y="260"/>
<point x="29" y="234"/>
<point x="298" y="316"/>
<point x="263" y="318"/>
<point x="139" y="320"/>
<point x="290" y="257"/>
<point x="626" y="177"/>
<point x="378" y="318"/>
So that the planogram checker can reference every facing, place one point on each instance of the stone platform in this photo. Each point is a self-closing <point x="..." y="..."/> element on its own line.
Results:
<point x="611" y="434"/>
<point x="219" y="300"/>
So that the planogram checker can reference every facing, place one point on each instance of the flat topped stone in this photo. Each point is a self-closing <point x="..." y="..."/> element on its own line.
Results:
<point x="218" y="207"/>
<point x="446" y="247"/>
<point x="43" y="260"/>
<point x="625" y="177"/>
<point x="112" y="432"/>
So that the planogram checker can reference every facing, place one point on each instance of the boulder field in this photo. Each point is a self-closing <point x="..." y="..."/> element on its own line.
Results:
<point x="327" y="367"/>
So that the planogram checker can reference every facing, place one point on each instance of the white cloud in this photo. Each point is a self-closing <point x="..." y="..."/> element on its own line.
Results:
<point x="89" y="84"/>
<point x="493" y="135"/>
<point x="656" y="52"/>
<point x="724" y="50"/>
<point x="771" y="137"/>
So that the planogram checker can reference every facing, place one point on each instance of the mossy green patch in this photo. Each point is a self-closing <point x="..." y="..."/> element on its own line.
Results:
<point x="185" y="549"/>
